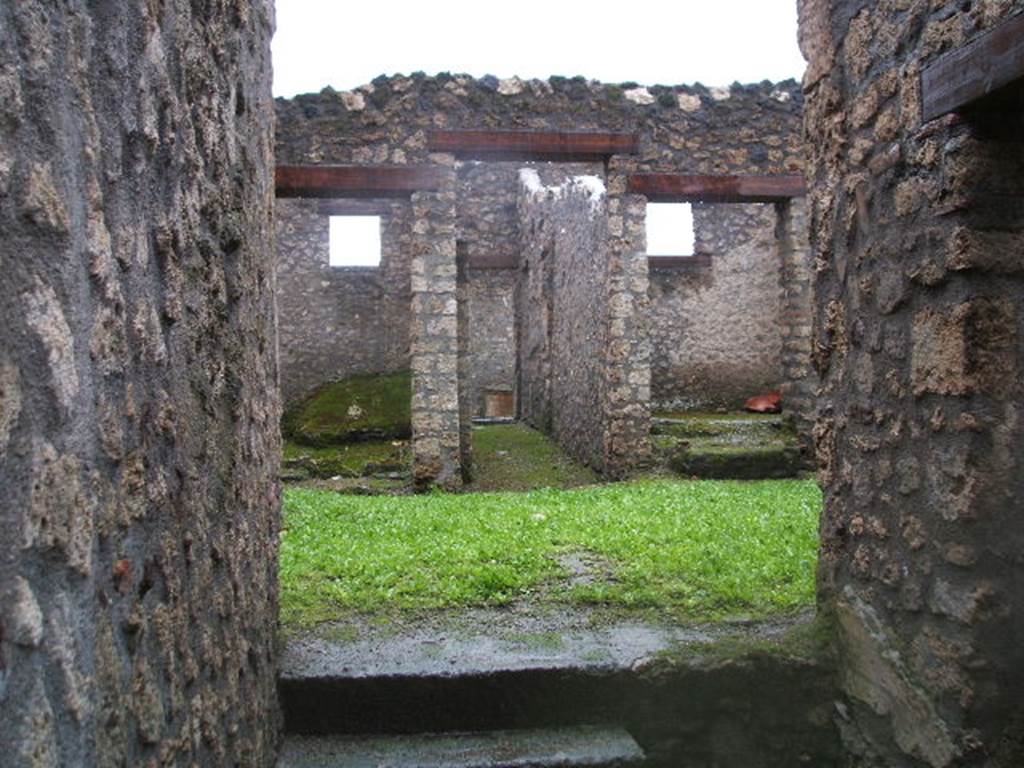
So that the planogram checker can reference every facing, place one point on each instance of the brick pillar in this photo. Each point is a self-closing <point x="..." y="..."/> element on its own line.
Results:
<point x="434" y="343"/>
<point x="627" y="382"/>
<point x="465" y="368"/>
<point x="799" y="380"/>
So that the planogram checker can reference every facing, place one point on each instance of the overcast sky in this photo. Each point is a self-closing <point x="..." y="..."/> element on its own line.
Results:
<point x="345" y="44"/>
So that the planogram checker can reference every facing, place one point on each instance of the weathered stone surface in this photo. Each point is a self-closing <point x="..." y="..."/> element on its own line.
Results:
<point x="337" y="322"/>
<point x="584" y="354"/>
<point x="138" y="402"/>
<point x="917" y="335"/>
<point x="717" y="328"/>
<point x="438" y="421"/>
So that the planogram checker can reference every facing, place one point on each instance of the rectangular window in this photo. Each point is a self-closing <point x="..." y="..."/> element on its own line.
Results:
<point x="670" y="229"/>
<point x="354" y="241"/>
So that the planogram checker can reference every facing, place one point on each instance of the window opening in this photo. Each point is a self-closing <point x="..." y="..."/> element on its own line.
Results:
<point x="354" y="241"/>
<point x="670" y="229"/>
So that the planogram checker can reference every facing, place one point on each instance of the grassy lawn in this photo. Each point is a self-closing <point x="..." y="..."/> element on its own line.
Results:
<point x="513" y="457"/>
<point x="696" y="549"/>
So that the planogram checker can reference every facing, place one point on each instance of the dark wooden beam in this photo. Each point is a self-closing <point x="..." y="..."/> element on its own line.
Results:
<point x="566" y="146"/>
<point x="681" y="188"/>
<point x="695" y="261"/>
<point x="962" y="77"/>
<point x="343" y="181"/>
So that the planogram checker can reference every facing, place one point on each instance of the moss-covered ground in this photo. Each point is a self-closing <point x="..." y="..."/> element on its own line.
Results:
<point x="372" y="407"/>
<point x="694" y="550"/>
<point x="349" y="460"/>
<point x="726" y="445"/>
<point x="514" y="457"/>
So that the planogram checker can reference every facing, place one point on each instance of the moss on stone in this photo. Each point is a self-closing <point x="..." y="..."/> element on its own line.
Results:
<point x="809" y="641"/>
<point x="371" y="407"/>
<point x="700" y="424"/>
<point x="513" y="457"/>
<point x="727" y="445"/>
<point x="352" y="460"/>
<point x="709" y="460"/>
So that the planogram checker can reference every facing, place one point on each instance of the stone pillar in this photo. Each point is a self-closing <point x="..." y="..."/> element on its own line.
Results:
<point x="139" y="414"/>
<point x="919" y="340"/>
<point x="799" y="380"/>
<point x="465" y="368"/>
<point x="434" y="342"/>
<point x="627" y="378"/>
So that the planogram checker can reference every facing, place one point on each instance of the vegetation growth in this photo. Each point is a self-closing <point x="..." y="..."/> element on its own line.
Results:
<point x="372" y="407"/>
<point x="696" y="549"/>
<point x="347" y="461"/>
<point x="513" y="457"/>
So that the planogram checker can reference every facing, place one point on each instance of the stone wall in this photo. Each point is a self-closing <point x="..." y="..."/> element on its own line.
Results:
<point x="742" y="129"/>
<point x="491" y="335"/>
<point x="689" y="129"/>
<point x="337" y="322"/>
<point x="138" y="385"/>
<point x="716" y="331"/>
<point x="488" y="236"/>
<point x="575" y="304"/>
<point x="918" y="333"/>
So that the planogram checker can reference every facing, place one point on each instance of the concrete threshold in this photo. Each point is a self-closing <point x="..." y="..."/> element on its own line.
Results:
<point x="537" y="748"/>
<point x="720" y="693"/>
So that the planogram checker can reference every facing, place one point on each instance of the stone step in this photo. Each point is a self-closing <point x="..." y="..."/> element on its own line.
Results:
<point x="711" y="461"/>
<point x="745" y="428"/>
<point x="590" y="746"/>
<point x="728" y="446"/>
<point x="676" y="689"/>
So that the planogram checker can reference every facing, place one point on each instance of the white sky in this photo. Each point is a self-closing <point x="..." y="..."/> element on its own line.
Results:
<point x="354" y="241"/>
<point x="346" y="44"/>
<point x="670" y="229"/>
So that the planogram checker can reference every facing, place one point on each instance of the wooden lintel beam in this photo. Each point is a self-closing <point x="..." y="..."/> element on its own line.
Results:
<point x="682" y="188"/>
<point x="532" y="145"/>
<point x="356" y="181"/>
<point x="695" y="261"/>
<point x="962" y="77"/>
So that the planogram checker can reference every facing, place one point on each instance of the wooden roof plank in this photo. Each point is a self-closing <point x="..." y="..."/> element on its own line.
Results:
<point x="355" y="181"/>
<point x="686" y="188"/>
<point x="961" y="77"/>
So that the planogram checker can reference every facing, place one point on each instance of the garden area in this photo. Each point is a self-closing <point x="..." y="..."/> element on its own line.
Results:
<point x="689" y="550"/>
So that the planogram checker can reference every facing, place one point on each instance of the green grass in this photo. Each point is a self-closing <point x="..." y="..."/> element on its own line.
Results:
<point x="358" y="408"/>
<point x="513" y="457"/>
<point x="696" y="549"/>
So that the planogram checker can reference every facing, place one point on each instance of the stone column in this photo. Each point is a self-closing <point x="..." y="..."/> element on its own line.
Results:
<point x="434" y="342"/>
<point x="799" y="380"/>
<point x="919" y="340"/>
<point x="627" y="380"/>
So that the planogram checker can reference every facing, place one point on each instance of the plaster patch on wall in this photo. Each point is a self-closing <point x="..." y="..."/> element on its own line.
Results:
<point x="59" y="514"/>
<point x="44" y="207"/>
<point x="24" y="619"/>
<point x="875" y="674"/>
<point x="44" y="316"/>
